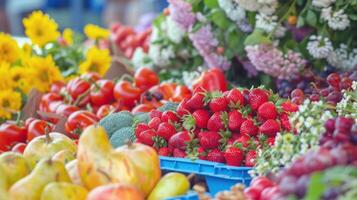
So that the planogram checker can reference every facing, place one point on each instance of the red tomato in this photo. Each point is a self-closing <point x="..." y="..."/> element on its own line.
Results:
<point x="142" y="108"/>
<point x="37" y="128"/>
<point x="57" y="86"/>
<point x="252" y="194"/>
<point x="48" y="98"/>
<point x="78" y="121"/>
<point x="261" y="183"/>
<point x="114" y="27"/>
<point x="91" y="76"/>
<point x="181" y="92"/>
<point x="122" y="33"/>
<point x="79" y="90"/>
<point x="104" y="110"/>
<point x="28" y="122"/>
<point x="11" y="134"/>
<point x="102" y="92"/>
<point x="145" y="78"/>
<point x="19" y="148"/>
<point x="212" y="80"/>
<point x="66" y="110"/>
<point x="126" y="93"/>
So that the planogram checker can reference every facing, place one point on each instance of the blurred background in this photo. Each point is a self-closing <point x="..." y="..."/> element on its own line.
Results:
<point x="77" y="13"/>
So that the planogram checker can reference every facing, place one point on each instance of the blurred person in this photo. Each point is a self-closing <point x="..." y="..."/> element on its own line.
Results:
<point x="4" y="24"/>
<point x="17" y="8"/>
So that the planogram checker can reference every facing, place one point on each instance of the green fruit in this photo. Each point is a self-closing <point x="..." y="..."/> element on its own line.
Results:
<point x="168" y="106"/>
<point x="45" y="172"/>
<point x="121" y="136"/>
<point x="116" y="121"/>
<point x="15" y="166"/>
<point x="171" y="185"/>
<point x="67" y="191"/>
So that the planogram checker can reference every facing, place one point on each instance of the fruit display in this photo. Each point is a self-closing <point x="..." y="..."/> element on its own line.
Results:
<point x="94" y="171"/>
<point x="227" y="127"/>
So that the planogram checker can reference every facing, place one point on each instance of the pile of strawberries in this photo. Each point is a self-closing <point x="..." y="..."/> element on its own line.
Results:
<point x="225" y="127"/>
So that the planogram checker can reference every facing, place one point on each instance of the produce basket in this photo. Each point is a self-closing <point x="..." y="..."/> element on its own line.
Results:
<point x="218" y="176"/>
<point x="191" y="195"/>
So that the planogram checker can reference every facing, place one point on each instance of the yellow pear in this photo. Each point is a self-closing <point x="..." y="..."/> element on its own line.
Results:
<point x="64" y="156"/>
<point x="45" y="172"/>
<point x="99" y="163"/>
<point x="15" y="166"/>
<point x="72" y="169"/>
<point x="171" y="185"/>
<point x="66" y="191"/>
<point x="4" y="184"/>
<point x="44" y="147"/>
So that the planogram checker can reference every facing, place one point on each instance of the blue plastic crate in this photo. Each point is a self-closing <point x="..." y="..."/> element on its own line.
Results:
<point x="191" y="195"/>
<point x="218" y="176"/>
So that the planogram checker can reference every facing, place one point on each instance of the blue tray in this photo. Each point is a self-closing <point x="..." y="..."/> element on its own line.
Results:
<point x="191" y="195"/>
<point x="218" y="176"/>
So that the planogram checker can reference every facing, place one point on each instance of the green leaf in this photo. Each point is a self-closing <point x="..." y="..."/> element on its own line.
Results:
<point x="196" y="27"/>
<point x="353" y="16"/>
<point x="157" y="22"/>
<point x="219" y="18"/>
<point x="316" y="188"/>
<point x="257" y="37"/>
<point x="211" y="3"/>
<point x="311" y="18"/>
<point x="300" y="22"/>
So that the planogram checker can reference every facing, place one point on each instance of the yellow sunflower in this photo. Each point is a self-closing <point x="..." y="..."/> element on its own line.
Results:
<point x="5" y="80"/>
<point x="68" y="36"/>
<point x="95" y="32"/>
<point x="44" y="72"/>
<point x="22" y="78"/>
<point x="40" y="28"/>
<point x="9" y="50"/>
<point x="10" y="101"/>
<point x="97" y="60"/>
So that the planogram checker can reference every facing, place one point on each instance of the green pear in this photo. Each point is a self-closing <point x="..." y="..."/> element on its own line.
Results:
<point x="171" y="185"/>
<point x="64" y="156"/>
<point x="67" y="191"/>
<point x="45" y="172"/>
<point x="46" y="146"/>
<point x="15" y="166"/>
<point x="4" y="184"/>
<point x="72" y="169"/>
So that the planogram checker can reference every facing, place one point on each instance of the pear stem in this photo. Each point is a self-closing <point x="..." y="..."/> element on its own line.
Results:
<point x="129" y="143"/>
<point x="189" y="177"/>
<point x="48" y="137"/>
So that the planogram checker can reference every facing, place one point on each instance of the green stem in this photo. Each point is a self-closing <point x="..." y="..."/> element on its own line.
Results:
<point x="287" y="13"/>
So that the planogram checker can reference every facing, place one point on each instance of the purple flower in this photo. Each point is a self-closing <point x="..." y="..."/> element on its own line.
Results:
<point x="249" y="67"/>
<point x="270" y="60"/>
<point x="181" y="13"/>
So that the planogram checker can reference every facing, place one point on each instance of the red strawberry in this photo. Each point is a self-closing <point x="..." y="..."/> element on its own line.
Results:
<point x="244" y="140"/>
<point x="234" y="156"/>
<point x="182" y="108"/>
<point x="235" y="96"/>
<point x="270" y="128"/>
<point x="166" y="130"/>
<point x="235" y="120"/>
<point x="154" y="123"/>
<point x="257" y="97"/>
<point x="250" y="158"/>
<point x="217" y="121"/>
<point x="285" y="123"/>
<point x="289" y="106"/>
<point x="155" y="113"/>
<point x="164" y="151"/>
<point x="218" y="104"/>
<point x="209" y="140"/>
<point x="267" y="111"/>
<point x="140" y="128"/>
<point x="179" y="140"/>
<point x="198" y="119"/>
<point x="146" y="137"/>
<point x="178" y="153"/>
<point x="202" y="154"/>
<point x="271" y="141"/>
<point x="234" y="137"/>
<point x="196" y="101"/>
<point x="215" y="156"/>
<point x="248" y="128"/>
<point x="169" y="116"/>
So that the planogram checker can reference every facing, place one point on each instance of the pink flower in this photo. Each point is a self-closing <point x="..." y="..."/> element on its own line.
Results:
<point x="181" y="13"/>
<point x="272" y="61"/>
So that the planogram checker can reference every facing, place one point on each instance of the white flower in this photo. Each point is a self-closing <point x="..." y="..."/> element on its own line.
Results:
<point x="161" y="56"/>
<point x="322" y="3"/>
<point x="266" y="23"/>
<point x="319" y="47"/>
<point x="174" y="30"/>
<point x="189" y="77"/>
<point x="335" y="20"/>
<point x="250" y="5"/>
<point x="343" y="58"/>
<point x="140" y="58"/>
<point x="232" y="10"/>
<point x="267" y="7"/>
